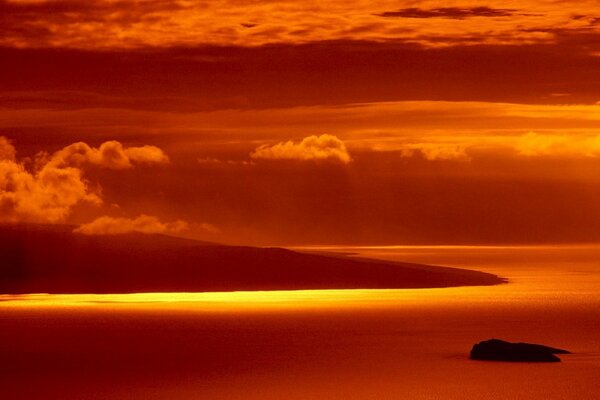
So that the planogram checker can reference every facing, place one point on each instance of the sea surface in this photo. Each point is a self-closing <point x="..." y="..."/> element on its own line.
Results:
<point x="338" y="344"/>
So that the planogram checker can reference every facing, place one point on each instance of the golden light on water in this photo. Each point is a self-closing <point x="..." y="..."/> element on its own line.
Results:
<point x="301" y="300"/>
<point x="222" y="301"/>
<point x="354" y="299"/>
<point x="526" y="283"/>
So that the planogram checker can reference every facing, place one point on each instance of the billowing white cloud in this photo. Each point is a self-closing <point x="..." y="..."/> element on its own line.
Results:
<point x="110" y="154"/>
<point x="48" y="192"/>
<point x="117" y="226"/>
<point x="47" y="195"/>
<point x="324" y="147"/>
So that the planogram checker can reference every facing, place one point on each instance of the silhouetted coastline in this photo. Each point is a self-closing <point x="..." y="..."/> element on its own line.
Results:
<point x="53" y="259"/>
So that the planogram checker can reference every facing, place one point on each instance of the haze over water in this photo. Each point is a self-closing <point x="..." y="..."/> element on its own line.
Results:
<point x="353" y="344"/>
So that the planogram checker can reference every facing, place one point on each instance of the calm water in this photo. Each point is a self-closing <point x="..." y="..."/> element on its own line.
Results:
<point x="359" y="344"/>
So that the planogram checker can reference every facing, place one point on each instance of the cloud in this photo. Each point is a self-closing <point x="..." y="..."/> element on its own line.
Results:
<point x="449" y="12"/>
<point x="531" y="144"/>
<point x="143" y="224"/>
<point x="324" y="147"/>
<point x="534" y="144"/>
<point x="216" y="161"/>
<point x="162" y="23"/>
<point x="437" y="151"/>
<point x="47" y="192"/>
<point x="7" y="150"/>
<point x="47" y="195"/>
<point x="110" y="154"/>
<point x="210" y="228"/>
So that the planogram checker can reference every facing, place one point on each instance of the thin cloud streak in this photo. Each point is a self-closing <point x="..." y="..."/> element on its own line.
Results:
<point x="449" y="12"/>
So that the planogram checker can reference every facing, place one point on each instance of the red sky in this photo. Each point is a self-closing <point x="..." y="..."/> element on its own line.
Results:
<point x="475" y="122"/>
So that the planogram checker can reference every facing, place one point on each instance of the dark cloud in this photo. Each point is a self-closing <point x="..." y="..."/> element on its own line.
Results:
<point x="84" y="11"/>
<point x="591" y="19"/>
<point x="449" y="12"/>
<point x="30" y="21"/>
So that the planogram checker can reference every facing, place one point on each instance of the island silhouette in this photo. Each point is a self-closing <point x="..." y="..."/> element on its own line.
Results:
<point x="54" y="259"/>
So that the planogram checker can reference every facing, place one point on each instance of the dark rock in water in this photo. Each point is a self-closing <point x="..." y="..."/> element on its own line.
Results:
<point x="500" y="350"/>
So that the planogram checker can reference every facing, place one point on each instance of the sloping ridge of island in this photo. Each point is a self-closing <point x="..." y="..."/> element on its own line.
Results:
<point x="53" y="259"/>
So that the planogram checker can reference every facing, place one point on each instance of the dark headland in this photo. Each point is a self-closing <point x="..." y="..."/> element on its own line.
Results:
<point x="53" y="259"/>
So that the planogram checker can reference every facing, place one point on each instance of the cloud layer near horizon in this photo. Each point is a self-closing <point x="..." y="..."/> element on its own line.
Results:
<point x="142" y="224"/>
<point x="530" y="145"/>
<point x="533" y="144"/>
<point x="46" y="189"/>
<point x="435" y="130"/>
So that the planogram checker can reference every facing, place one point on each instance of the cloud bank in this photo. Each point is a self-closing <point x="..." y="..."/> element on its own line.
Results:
<point x="324" y="147"/>
<point x="533" y="144"/>
<point x="118" y="226"/>
<point x="160" y="23"/>
<point x="48" y="192"/>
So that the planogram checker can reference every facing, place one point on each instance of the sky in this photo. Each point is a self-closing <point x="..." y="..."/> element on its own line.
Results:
<point x="303" y="122"/>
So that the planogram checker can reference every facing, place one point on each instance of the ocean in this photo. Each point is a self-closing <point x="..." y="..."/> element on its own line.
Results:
<point x="318" y="344"/>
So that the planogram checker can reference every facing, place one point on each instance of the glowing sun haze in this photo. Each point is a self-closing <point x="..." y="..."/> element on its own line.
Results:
<point x="303" y="122"/>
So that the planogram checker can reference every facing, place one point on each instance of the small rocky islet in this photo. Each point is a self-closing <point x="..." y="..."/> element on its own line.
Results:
<point x="501" y="350"/>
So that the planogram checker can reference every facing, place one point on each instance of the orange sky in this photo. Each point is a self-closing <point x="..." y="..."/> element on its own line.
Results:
<point x="301" y="122"/>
